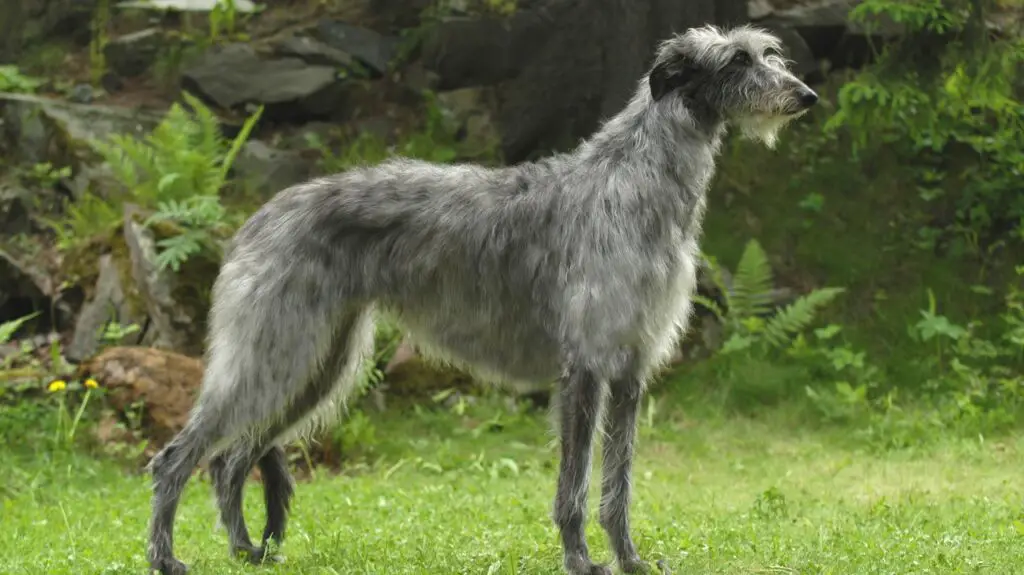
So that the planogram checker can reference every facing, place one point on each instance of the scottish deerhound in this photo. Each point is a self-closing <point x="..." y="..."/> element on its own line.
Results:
<point x="577" y="268"/>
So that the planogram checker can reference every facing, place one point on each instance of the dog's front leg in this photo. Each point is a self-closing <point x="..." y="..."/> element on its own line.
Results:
<point x="579" y="407"/>
<point x="617" y="462"/>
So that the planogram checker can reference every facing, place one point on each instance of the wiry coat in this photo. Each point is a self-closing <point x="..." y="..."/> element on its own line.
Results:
<point x="579" y="266"/>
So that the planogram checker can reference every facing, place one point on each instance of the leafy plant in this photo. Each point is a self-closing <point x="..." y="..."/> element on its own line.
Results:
<point x="179" y="169"/>
<point x="113" y="332"/>
<point x="100" y="24"/>
<point x="9" y="328"/>
<point x="434" y="141"/>
<point x="223" y="22"/>
<point x="44" y="174"/>
<point x="67" y="425"/>
<point x="945" y="88"/>
<point x="199" y="221"/>
<point x="748" y="302"/>
<point x="87" y="217"/>
<point x="12" y="80"/>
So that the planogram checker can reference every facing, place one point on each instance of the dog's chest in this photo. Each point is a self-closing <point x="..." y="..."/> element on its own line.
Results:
<point x="670" y="302"/>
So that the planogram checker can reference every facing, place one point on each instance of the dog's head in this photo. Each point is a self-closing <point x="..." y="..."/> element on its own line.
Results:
<point x="738" y="76"/>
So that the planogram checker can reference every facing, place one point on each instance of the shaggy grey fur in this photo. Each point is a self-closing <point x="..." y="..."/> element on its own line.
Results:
<point x="578" y="267"/>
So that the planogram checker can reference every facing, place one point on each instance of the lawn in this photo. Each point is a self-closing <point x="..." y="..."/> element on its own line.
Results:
<point x="471" y="494"/>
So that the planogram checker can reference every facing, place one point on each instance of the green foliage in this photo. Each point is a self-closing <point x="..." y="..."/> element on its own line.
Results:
<point x="976" y="382"/>
<point x="87" y="217"/>
<point x="223" y="21"/>
<point x="200" y="221"/>
<point x="100" y="24"/>
<point x="9" y="328"/>
<point x="184" y="156"/>
<point x="45" y="175"/>
<point x="946" y="90"/>
<point x="178" y="170"/>
<point x="12" y="80"/>
<point x="748" y="301"/>
<point x="433" y="141"/>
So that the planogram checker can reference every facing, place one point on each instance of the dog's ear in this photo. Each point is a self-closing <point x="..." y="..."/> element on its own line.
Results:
<point x="667" y="76"/>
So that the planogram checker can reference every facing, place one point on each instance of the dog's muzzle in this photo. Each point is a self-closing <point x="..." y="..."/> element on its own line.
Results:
<point x="805" y="98"/>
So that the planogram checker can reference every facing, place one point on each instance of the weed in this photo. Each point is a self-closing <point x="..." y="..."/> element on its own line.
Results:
<point x="12" y="80"/>
<point x="435" y="140"/>
<point x="945" y="89"/>
<point x="748" y="301"/>
<point x="100" y="24"/>
<point x="178" y="170"/>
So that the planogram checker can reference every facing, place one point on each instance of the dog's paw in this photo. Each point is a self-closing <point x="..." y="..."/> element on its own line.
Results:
<point x="584" y="566"/>
<point x="169" y="566"/>
<point x="637" y="566"/>
<point x="256" y="555"/>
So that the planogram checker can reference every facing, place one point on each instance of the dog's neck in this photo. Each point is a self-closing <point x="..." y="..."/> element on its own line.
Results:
<point x="673" y="137"/>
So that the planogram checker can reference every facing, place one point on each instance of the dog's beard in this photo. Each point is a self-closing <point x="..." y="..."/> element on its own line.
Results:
<point x="764" y="127"/>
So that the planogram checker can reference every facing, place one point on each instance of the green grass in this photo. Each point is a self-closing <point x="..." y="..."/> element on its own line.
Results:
<point x="712" y="495"/>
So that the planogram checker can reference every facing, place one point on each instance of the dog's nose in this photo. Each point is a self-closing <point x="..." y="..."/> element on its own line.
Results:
<point x="807" y="97"/>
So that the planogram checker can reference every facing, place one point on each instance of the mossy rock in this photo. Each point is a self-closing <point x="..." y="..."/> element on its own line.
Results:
<point x="39" y="129"/>
<point x="177" y="303"/>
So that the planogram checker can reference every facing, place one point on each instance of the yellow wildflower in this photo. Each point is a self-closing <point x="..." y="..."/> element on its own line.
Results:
<point x="91" y="383"/>
<point x="58" y="385"/>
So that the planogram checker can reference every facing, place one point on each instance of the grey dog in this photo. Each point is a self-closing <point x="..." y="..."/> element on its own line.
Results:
<point x="578" y="268"/>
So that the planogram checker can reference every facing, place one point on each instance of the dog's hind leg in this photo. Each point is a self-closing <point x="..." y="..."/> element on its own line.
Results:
<point x="617" y="465"/>
<point x="171" y="469"/>
<point x="231" y="468"/>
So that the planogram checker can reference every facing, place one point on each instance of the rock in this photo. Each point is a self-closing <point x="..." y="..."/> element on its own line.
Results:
<point x="242" y="6"/>
<point x="132" y="54"/>
<point x="36" y="129"/>
<point x="14" y="209"/>
<point x="28" y="21"/>
<point x="26" y="287"/>
<point x="111" y="82"/>
<point x="826" y="31"/>
<point x="81" y="94"/>
<point x="416" y="77"/>
<point x="162" y="383"/>
<point x="396" y="15"/>
<point x="313" y="52"/>
<point x="372" y="49"/>
<point x="264" y="170"/>
<point x="19" y="279"/>
<point x="107" y="304"/>
<point x="176" y="325"/>
<point x="829" y="14"/>
<point x="234" y="74"/>
<point x="472" y="108"/>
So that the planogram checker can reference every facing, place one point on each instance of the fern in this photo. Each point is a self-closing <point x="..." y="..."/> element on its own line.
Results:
<point x="748" y="299"/>
<point x="179" y="169"/>
<point x="175" y="250"/>
<point x="752" y="283"/>
<point x="798" y="315"/>
<point x="8" y="328"/>
<point x="199" y="219"/>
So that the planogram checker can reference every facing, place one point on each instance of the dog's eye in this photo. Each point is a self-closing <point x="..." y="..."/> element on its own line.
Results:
<point x="741" y="58"/>
<point x="772" y="53"/>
